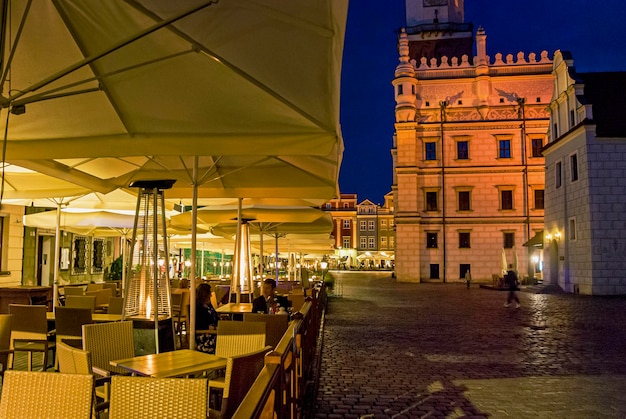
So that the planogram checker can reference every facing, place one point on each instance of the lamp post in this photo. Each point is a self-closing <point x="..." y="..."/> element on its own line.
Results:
<point x="324" y="266"/>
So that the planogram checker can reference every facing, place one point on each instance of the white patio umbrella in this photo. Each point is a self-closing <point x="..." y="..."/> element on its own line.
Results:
<point x="229" y="98"/>
<point x="505" y="266"/>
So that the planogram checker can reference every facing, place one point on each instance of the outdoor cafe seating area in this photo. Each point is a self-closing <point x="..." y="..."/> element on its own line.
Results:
<point x="83" y="361"/>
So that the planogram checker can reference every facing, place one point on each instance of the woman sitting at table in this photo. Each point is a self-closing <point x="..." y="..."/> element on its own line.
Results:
<point x="206" y="319"/>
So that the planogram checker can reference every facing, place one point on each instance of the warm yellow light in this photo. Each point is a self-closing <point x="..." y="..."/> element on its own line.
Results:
<point x="557" y="235"/>
<point x="148" y="307"/>
<point x="324" y="264"/>
<point x="548" y="236"/>
<point x="535" y="259"/>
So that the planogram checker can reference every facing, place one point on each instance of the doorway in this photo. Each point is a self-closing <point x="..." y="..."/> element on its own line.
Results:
<point x="554" y="262"/>
<point x="44" y="260"/>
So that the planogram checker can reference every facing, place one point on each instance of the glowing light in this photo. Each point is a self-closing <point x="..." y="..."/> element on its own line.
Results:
<point x="148" y="307"/>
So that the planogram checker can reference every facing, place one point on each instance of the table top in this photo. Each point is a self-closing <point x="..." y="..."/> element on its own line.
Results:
<point x="96" y="317"/>
<point x="235" y="308"/>
<point x="171" y="364"/>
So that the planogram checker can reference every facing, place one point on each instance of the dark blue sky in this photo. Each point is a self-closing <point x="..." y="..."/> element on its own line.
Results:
<point x="594" y="31"/>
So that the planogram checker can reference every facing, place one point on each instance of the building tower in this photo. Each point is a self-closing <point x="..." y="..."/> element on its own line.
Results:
<point x="468" y="169"/>
<point x="436" y="29"/>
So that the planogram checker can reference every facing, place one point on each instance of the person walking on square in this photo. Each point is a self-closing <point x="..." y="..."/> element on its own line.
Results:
<point x="512" y="282"/>
<point x="468" y="278"/>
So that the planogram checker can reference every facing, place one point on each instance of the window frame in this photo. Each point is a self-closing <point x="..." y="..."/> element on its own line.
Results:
<point x="345" y="223"/>
<point x="574" y="167"/>
<point x="502" y="199"/>
<point x="431" y="193"/>
<point x="503" y="150"/>
<point x="432" y="244"/>
<point x="543" y="199"/>
<point x="430" y="155"/>
<point x="558" y="174"/>
<point x="459" y="200"/>
<point x="458" y="150"/>
<point x="508" y="239"/>
<point x="534" y="151"/>
<point x="465" y="240"/>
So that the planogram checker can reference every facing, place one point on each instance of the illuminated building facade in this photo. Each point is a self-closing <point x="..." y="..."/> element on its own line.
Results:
<point x="468" y="176"/>
<point x="585" y="215"/>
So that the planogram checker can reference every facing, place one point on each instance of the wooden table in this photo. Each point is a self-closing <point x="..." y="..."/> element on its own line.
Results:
<point x="96" y="317"/>
<point x="234" y="311"/>
<point x="24" y="294"/>
<point x="171" y="364"/>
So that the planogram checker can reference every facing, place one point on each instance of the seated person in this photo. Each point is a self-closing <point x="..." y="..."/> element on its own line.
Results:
<point x="268" y="302"/>
<point x="206" y="318"/>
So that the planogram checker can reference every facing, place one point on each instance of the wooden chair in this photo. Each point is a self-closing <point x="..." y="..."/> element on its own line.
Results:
<point x="241" y="372"/>
<point x="180" y="313"/>
<point x="237" y="337"/>
<point x="112" y="286"/>
<point x="102" y="298"/>
<point x="108" y="342"/>
<point x="69" y="322"/>
<point x="73" y="291"/>
<point x="81" y="301"/>
<point x="275" y="326"/>
<point x="29" y="333"/>
<point x="144" y="397"/>
<point x="297" y="301"/>
<point x="94" y="287"/>
<point x="27" y="394"/>
<point x="5" y="340"/>
<point x="116" y="305"/>
<point x="74" y="360"/>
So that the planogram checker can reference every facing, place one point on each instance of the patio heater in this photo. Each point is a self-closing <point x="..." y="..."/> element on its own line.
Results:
<point x="242" y="283"/>
<point x="147" y="297"/>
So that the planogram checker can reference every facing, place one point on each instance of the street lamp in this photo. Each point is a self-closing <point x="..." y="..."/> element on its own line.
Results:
<point x="324" y="266"/>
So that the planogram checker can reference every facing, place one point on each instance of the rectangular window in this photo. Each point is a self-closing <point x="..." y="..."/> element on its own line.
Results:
<point x="509" y="240"/>
<point x="79" y="265"/>
<point x="431" y="151"/>
<point x="537" y="145"/>
<point x="371" y="225"/>
<point x="362" y="225"/>
<point x="346" y="242"/>
<point x="391" y="223"/>
<point x="573" y="160"/>
<point x="539" y="199"/>
<point x="434" y="271"/>
<point x="383" y="242"/>
<point x="504" y="149"/>
<point x="363" y="242"/>
<point x="346" y="224"/>
<point x="383" y="224"/>
<point x="371" y="242"/>
<point x="392" y="242"/>
<point x="462" y="150"/>
<point x="464" y="240"/>
<point x="464" y="201"/>
<point x="555" y="132"/>
<point x="463" y="269"/>
<point x="506" y="198"/>
<point x="400" y="89"/>
<point x="572" y="118"/>
<point x="431" y="201"/>
<point x="431" y="240"/>
<point x="97" y="265"/>
<point x="572" y="229"/>
<point x="557" y="174"/>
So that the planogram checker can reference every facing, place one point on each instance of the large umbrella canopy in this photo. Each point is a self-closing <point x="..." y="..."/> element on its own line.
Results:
<point x="240" y="98"/>
<point x="210" y="216"/>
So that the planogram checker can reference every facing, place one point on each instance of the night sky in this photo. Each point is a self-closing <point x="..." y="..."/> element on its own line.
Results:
<point x="593" y="31"/>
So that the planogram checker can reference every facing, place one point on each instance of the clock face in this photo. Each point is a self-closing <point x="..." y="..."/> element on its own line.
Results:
<point x="435" y="3"/>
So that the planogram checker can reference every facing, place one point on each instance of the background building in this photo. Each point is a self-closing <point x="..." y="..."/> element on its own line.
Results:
<point x="468" y="169"/>
<point x="585" y="220"/>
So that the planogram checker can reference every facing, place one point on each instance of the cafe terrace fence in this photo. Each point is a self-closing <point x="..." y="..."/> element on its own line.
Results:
<point x="279" y="390"/>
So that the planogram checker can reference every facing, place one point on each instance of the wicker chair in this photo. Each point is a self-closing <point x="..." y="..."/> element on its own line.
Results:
<point x="275" y="326"/>
<point x="29" y="333"/>
<point x="241" y="372"/>
<point x="236" y="337"/>
<point x="116" y="305"/>
<point x="76" y="361"/>
<point x="5" y="340"/>
<point x="143" y="397"/>
<point x="108" y="342"/>
<point x="81" y="301"/>
<point x="27" y="394"/>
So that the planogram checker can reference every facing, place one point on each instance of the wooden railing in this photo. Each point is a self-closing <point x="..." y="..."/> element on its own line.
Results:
<point x="279" y="388"/>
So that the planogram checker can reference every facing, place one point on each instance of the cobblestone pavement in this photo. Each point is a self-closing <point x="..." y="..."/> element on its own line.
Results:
<point x="398" y="350"/>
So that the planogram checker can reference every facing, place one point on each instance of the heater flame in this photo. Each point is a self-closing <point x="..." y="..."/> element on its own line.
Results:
<point x="148" y="307"/>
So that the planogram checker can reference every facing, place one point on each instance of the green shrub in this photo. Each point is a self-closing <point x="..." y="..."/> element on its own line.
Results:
<point x="329" y="280"/>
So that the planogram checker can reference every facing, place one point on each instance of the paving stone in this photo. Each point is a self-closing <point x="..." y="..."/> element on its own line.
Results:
<point x="395" y="350"/>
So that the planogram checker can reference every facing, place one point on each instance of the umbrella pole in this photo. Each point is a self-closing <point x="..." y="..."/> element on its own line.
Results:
<point x="262" y="261"/>
<point x="191" y="333"/>
<point x="57" y="258"/>
<point x="276" y="258"/>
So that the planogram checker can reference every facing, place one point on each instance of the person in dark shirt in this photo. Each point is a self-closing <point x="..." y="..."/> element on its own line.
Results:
<point x="268" y="302"/>
<point x="206" y="318"/>
<point x="513" y="283"/>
